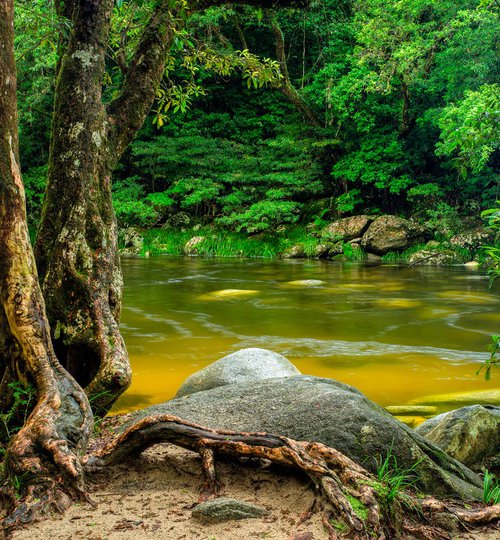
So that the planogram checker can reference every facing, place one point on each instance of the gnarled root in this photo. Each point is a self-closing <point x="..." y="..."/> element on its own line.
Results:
<point x="42" y="458"/>
<point x="339" y="478"/>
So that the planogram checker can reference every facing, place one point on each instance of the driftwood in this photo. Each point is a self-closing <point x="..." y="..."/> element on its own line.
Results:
<point x="339" y="479"/>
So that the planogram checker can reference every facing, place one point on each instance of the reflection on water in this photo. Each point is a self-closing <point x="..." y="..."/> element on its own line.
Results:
<point x="397" y="334"/>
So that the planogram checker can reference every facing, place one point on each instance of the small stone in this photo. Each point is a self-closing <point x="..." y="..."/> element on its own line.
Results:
<point x="294" y="252"/>
<point x="447" y="521"/>
<point x="322" y="251"/>
<point x="306" y="535"/>
<point x="192" y="245"/>
<point x="227" y="509"/>
<point x="371" y="258"/>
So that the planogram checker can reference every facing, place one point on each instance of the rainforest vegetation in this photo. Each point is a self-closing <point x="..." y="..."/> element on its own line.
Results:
<point x="268" y="118"/>
<point x="258" y="119"/>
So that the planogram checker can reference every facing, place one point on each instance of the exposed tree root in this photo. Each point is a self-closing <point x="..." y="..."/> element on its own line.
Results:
<point x="343" y="483"/>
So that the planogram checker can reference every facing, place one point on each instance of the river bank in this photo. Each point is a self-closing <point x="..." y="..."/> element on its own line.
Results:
<point x="373" y="239"/>
<point x="151" y="498"/>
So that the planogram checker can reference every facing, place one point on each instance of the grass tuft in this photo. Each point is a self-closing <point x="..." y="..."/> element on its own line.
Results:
<point x="491" y="489"/>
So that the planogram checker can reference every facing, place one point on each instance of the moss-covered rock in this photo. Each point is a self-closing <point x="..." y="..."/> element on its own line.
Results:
<point x="390" y="233"/>
<point x="470" y="434"/>
<point x="435" y="257"/>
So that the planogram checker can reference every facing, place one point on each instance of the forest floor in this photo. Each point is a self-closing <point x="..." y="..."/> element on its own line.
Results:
<point x="152" y="498"/>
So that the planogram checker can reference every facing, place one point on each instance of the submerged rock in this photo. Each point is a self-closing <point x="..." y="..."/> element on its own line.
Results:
<point x="323" y="410"/>
<point x="470" y="434"/>
<point x="227" y="293"/>
<point x="390" y="233"/>
<point x="227" y="509"/>
<point x="412" y="410"/>
<point x="479" y="397"/>
<point x="245" y="365"/>
<point x="305" y="283"/>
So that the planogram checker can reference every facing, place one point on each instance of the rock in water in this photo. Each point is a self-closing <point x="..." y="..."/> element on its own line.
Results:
<point x="388" y="233"/>
<point x="429" y="257"/>
<point x="228" y="294"/>
<point x="226" y="509"/>
<point x="470" y="434"/>
<point x="242" y="366"/>
<point x="323" y="410"/>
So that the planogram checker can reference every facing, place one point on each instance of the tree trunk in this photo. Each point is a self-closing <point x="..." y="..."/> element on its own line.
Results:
<point x="77" y="244"/>
<point x="60" y="424"/>
<point x="286" y="87"/>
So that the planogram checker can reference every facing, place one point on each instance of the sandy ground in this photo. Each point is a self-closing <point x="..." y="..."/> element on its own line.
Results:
<point x="152" y="498"/>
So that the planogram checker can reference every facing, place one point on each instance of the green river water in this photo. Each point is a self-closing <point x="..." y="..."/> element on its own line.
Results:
<point x="400" y="335"/>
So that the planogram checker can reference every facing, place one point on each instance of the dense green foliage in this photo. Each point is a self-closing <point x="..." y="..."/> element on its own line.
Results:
<point x="405" y="96"/>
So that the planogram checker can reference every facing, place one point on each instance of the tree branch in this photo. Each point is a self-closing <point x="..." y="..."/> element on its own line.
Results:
<point x="129" y="110"/>
<point x="285" y="85"/>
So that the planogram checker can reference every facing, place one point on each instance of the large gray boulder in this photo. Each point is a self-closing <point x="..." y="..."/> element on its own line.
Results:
<point x="347" y="228"/>
<point x="390" y="233"/>
<point x="242" y="366"/>
<point x="323" y="410"/>
<point x="470" y="434"/>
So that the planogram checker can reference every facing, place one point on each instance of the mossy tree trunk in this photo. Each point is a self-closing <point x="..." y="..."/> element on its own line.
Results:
<point x="59" y="426"/>
<point x="77" y="244"/>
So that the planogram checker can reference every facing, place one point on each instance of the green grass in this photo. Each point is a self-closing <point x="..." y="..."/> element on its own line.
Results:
<point x="393" y="479"/>
<point x="228" y="244"/>
<point x="219" y="243"/>
<point x="491" y="489"/>
<point x="353" y="253"/>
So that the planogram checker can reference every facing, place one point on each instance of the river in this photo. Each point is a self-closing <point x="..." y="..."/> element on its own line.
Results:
<point x="400" y="335"/>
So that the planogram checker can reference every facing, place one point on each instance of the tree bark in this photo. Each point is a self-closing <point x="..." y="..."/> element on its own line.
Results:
<point x="286" y="87"/>
<point x="77" y="244"/>
<point x="58" y="428"/>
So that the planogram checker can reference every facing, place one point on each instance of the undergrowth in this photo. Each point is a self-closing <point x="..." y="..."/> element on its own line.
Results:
<point x="394" y="480"/>
<point x="491" y="489"/>
<point x="227" y="244"/>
